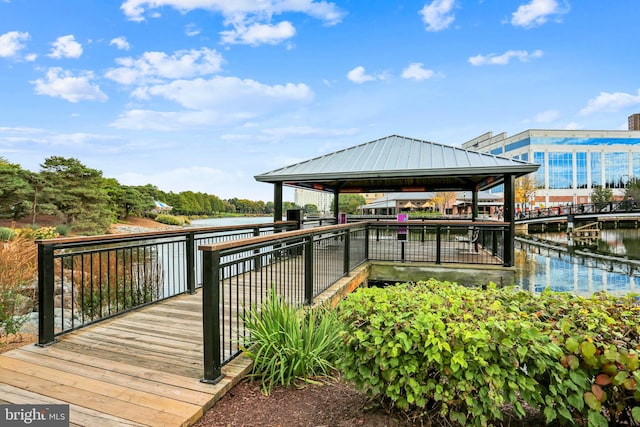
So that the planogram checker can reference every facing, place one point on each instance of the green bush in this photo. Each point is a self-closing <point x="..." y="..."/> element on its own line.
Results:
<point x="173" y="220"/>
<point x="439" y="350"/>
<point x="287" y="344"/>
<point x="7" y="234"/>
<point x="63" y="229"/>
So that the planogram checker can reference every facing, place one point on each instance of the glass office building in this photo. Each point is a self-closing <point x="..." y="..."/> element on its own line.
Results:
<point x="571" y="163"/>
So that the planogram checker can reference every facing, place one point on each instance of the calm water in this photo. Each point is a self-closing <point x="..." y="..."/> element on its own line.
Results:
<point x="219" y="222"/>
<point x="539" y="267"/>
<point x="615" y="268"/>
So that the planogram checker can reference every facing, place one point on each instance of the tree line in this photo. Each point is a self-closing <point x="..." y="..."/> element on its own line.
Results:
<point x="89" y="203"/>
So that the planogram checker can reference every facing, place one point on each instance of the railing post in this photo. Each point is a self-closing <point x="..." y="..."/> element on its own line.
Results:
<point x="308" y="270"/>
<point x="494" y="243"/>
<point x="46" y="272"/>
<point x="191" y="263"/>
<point x="438" y="243"/>
<point x="366" y="243"/>
<point x="347" y="251"/>
<point x="211" y="317"/>
<point x="257" y="263"/>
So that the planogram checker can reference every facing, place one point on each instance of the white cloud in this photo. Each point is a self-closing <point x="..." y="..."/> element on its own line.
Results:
<point x="547" y="116"/>
<point x="258" y="34"/>
<point x="288" y="132"/>
<point x="239" y="11"/>
<point x="157" y="66"/>
<point x="536" y="13"/>
<point x="437" y="15"/>
<point x="505" y="58"/>
<point x="611" y="102"/>
<point x="175" y="120"/>
<point x="416" y="71"/>
<point x="228" y="93"/>
<point x="12" y="42"/>
<point x="249" y="19"/>
<point x="573" y="126"/>
<point x="192" y="30"/>
<point x="66" y="47"/>
<point x="120" y="42"/>
<point x="194" y="178"/>
<point x="63" y="84"/>
<point x="358" y="75"/>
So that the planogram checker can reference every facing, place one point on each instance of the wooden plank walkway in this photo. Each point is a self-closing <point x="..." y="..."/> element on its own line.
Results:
<point x="139" y="369"/>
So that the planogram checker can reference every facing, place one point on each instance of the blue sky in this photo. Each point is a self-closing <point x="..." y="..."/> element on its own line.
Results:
<point x="204" y="94"/>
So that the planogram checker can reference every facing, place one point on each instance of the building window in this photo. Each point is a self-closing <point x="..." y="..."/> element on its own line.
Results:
<point x="635" y="164"/>
<point x="596" y="170"/>
<point x="581" y="170"/>
<point x="616" y="168"/>
<point x="538" y="158"/>
<point x="560" y="170"/>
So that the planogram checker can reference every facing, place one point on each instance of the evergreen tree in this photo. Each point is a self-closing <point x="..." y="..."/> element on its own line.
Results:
<point x="78" y="193"/>
<point x="16" y="190"/>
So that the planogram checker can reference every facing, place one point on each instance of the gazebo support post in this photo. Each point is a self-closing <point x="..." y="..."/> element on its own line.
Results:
<point x="509" y="217"/>
<point x="336" y="205"/>
<point x="277" y="202"/>
<point x="474" y="204"/>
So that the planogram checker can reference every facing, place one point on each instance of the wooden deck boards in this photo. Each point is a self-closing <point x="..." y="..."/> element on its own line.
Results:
<point x="144" y="368"/>
<point x="139" y="369"/>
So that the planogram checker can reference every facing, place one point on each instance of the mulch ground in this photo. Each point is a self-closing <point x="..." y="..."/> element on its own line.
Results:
<point x="329" y="404"/>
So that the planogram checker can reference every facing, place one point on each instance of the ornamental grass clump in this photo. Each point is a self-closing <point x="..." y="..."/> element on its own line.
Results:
<point x="288" y="344"/>
<point x="18" y="268"/>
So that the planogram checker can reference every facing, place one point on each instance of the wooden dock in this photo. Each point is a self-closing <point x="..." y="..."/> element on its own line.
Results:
<point x="139" y="369"/>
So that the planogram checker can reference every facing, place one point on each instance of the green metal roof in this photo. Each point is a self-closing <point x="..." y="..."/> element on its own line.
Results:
<point x="397" y="163"/>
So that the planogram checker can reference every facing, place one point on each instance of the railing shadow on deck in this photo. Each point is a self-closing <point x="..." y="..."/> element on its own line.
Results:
<point x="84" y="280"/>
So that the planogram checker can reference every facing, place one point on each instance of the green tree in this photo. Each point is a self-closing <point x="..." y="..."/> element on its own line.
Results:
<point x="633" y="189"/>
<point x="310" y="209"/>
<point x="78" y="193"/>
<point x="350" y="203"/>
<point x="600" y="194"/>
<point x="16" y="190"/>
<point x="129" y="200"/>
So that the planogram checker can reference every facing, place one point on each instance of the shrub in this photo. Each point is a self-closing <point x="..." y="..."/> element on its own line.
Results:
<point x="172" y="220"/>
<point x="63" y="229"/>
<point x="287" y="344"/>
<point x="7" y="234"/>
<point x="436" y="349"/>
<point x="36" y="232"/>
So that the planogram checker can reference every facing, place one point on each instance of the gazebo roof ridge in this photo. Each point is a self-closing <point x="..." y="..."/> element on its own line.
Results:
<point x="394" y="162"/>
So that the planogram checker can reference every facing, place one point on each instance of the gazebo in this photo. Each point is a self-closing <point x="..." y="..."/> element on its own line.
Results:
<point x="400" y="164"/>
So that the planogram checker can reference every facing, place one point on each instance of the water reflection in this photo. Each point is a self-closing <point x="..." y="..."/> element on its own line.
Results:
<point x="539" y="267"/>
<point x="624" y="242"/>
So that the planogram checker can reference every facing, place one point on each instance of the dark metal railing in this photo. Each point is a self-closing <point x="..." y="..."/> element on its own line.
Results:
<point x="297" y="266"/>
<point x="586" y="209"/>
<point x="300" y="265"/>
<point x="441" y="243"/>
<point x="87" y="279"/>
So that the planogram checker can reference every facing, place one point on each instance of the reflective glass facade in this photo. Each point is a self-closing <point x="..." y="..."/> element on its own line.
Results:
<point x="581" y="170"/>
<point x="616" y="169"/>
<point x="560" y="170"/>
<point x="572" y="163"/>
<point x="596" y="169"/>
